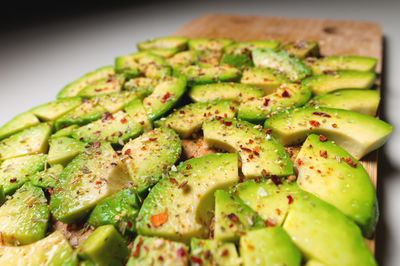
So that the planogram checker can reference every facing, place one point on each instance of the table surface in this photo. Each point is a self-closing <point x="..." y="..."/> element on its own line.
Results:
<point x="37" y="61"/>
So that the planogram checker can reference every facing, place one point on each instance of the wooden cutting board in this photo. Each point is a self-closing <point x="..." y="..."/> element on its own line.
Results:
<point x="335" y="37"/>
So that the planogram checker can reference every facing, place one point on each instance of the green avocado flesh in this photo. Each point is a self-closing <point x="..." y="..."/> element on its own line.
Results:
<point x="213" y="252"/>
<point x="136" y="111"/>
<point x="204" y="75"/>
<point x="114" y="102"/>
<point x="179" y="43"/>
<point x="264" y="78"/>
<point x="18" y="123"/>
<point x="339" y="63"/>
<point x="209" y="44"/>
<point x="47" y="178"/>
<point x="53" y="110"/>
<point x="358" y="134"/>
<point x="63" y="149"/>
<point x="244" y="47"/>
<point x="302" y="49"/>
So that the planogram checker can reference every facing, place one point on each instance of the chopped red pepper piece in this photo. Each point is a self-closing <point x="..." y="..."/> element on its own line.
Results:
<point x="314" y="123"/>
<point x="321" y="114"/>
<point x="290" y="199"/>
<point x="322" y="138"/>
<point x="137" y="248"/>
<point x="285" y="94"/>
<point x="159" y="219"/>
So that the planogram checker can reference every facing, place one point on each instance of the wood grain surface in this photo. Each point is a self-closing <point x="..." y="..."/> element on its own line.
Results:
<point x="335" y="37"/>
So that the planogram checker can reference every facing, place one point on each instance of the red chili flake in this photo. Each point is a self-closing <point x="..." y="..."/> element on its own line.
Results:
<point x="314" y="123"/>
<point x="124" y="120"/>
<point x="290" y="199"/>
<point x="285" y="94"/>
<point x="224" y="253"/>
<point x="128" y="151"/>
<point x="165" y="97"/>
<point x="245" y="149"/>
<point x="13" y="180"/>
<point x="196" y="260"/>
<point x="268" y="131"/>
<point x="183" y="184"/>
<point x="322" y="138"/>
<point x="323" y="154"/>
<point x="188" y="166"/>
<point x="334" y="125"/>
<point x="207" y="254"/>
<point x="99" y="182"/>
<point x="226" y="116"/>
<point x="137" y="249"/>
<point x="227" y="123"/>
<point x="96" y="145"/>
<point x="269" y="223"/>
<point x="182" y="112"/>
<point x="181" y="252"/>
<point x="350" y="162"/>
<point x="152" y="139"/>
<point x="330" y="72"/>
<point x="233" y="217"/>
<point x="266" y="102"/>
<point x="129" y="224"/>
<point x="321" y="114"/>
<point x="277" y="181"/>
<point x="299" y="161"/>
<point x="159" y="219"/>
<point x="106" y="116"/>
<point x="232" y="108"/>
<point x="51" y="192"/>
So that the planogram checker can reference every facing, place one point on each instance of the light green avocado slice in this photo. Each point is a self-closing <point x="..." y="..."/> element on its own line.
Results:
<point x="361" y="101"/>
<point x="357" y="133"/>
<point x="53" y="110"/>
<point x="204" y="75"/>
<point x="164" y="96"/>
<point x="259" y="153"/>
<point x="18" y="123"/>
<point x="239" y="61"/>
<point x="47" y="178"/>
<point x="286" y="96"/>
<point x="180" y="205"/>
<point x="224" y="91"/>
<point x="269" y="246"/>
<point x="233" y="217"/>
<point x="114" y="102"/>
<point x="245" y="47"/>
<point x="53" y="250"/>
<point x="105" y="246"/>
<point x="141" y="84"/>
<point x="103" y="86"/>
<point x="321" y="232"/>
<point x="189" y="119"/>
<point x="314" y="263"/>
<point x="120" y="210"/>
<point x="333" y="175"/>
<point x="91" y="176"/>
<point x="73" y="88"/>
<point x="210" y="252"/>
<point x="24" y="217"/>
<point x="65" y="132"/>
<point x="264" y="78"/>
<point x="302" y="49"/>
<point x="209" y="44"/>
<point x="164" y="52"/>
<point x="150" y="156"/>
<point x="179" y="43"/>
<point x="339" y="63"/>
<point x="136" y="111"/>
<point x="148" y="250"/>
<point x="281" y="61"/>
<point x="184" y="58"/>
<point x="63" y="149"/>
<point x="333" y="81"/>
<point x="32" y="140"/>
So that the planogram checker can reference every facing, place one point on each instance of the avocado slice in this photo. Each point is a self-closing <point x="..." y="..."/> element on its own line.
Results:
<point x="150" y="156"/>
<point x="32" y="140"/>
<point x="114" y="128"/>
<point x="91" y="176"/>
<point x="238" y="61"/>
<point x="115" y="102"/>
<point x="361" y="101"/>
<point x="213" y="252"/>
<point x="302" y="49"/>
<point x="209" y="44"/>
<point x="63" y="149"/>
<point x="338" y="63"/>
<point x="333" y="81"/>
<point x="47" y="178"/>
<point x="259" y="153"/>
<point x="184" y="58"/>
<point x="245" y="47"/>
<point x="180" y="205"/>
<point x="264" y="78"/>
<point x="189" y="119"/>
<point x="119" y="210"/>
<point x="281" y="61"/>
<point x="269" y="246"/>
<point x="103" y="86"/>
<point x="53" y="110"/>
<point x="164" y="96"/>
<point x="141" y="84"/>
<point x="164" y="52"/>
<point x="136" y="111"/>
<point x="333" y="175"/>
<point x="204" y="75"/>
<point x="73" y="88"/>
<point x="179" y="43"/>
<point x="286" y="96"/>
<point x="224" y="91"/>
<point x="52" y="250"/>
<point x="24" y="217"/>
<point x="105" y="246"/>
<point x="18" y="123"/>
<point x="65" y="132"/>
<point x="358" y="134"/>
<point x="233" y="217"/>
<point x="209" y="58"/>
<point x="158" y="251"/>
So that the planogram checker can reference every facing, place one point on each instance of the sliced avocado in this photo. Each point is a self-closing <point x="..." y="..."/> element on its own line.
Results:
<point x="120" y="210"/>
<point x="233" y="217"/>
<point x="103" y="86"/>
<point x="286" y="96"/>
<point x="164" y="52"/>
<point x="189" y="119"/>
<point x="179" y="43"/>
<point x="314" y="263"/>
<point x="47" y="178"/>
<point x="73" y="88"/>
<point x="333" y="175"/>
<point x="65" y="132"/>
<point x="158" y="251"/>
<point x="269" y="246"/>
<point x="264" y="78"/>
<point x="53" y="110"/>
<point x="91" y="176"/>
<point x="204" y="75"/>
<point x="63" y="149"/>
<point x="105" y="246"/>
<point x="238" y="61"/>
<point x="338" y="63"/>
<point x="141" y="84"/>
<point x="209" y="44"/>
<point x="213" y="252"/>
<point x="114" y="128"/>
<point x="302" y="49"/>
<point x="115" y="102"/>
<point x="165" y="95"/>
<point x="281" y="61"/>
<point x="208" y="58"/>
<point x="244" y="47"/>
<point x="136" y="111"/>
<point x="18" y="123"/>
<point x="333" y="81"/>
<point x="83" y="114"/>
<point x="357" y="133"/>
<point x="52" y="250"/>
<point x="16" y="171"/>
<point x="224" y="91"/>
<point x="259" y="153"/>
<point x="150" y="156"/>
<point x="365" y="101"/>
<point x="24" y="217"/>
<point x="180" y="205"/>
<point x="32" y="140"/>
<point x="323" y="233"/>
<point x="184" y="58"/>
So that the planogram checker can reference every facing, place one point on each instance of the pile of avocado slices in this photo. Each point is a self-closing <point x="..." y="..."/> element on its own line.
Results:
<point x="104" y="174"/>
